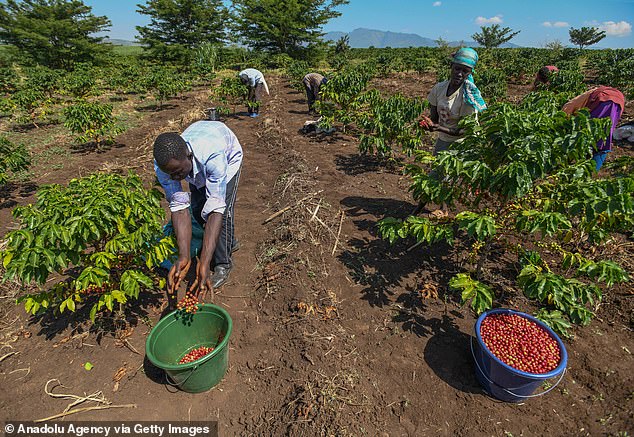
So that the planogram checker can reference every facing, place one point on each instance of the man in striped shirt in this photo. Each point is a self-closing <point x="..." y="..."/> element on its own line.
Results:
<point x="208" y="156"/>
<point x="254" y="79"/>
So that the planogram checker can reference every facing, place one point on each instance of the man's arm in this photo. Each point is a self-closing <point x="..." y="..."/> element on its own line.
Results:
<point x="183" y="229"/>
<point x="210" y="238"/>
<point x="212" y="213"/>
<point x="179" y="202"/>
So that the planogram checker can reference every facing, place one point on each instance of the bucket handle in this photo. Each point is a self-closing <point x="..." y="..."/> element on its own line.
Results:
<point x="169" y="380"/>
<point x="509" y="391"/>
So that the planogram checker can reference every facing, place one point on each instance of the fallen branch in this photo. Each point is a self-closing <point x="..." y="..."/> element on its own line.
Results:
<point x="321" y="222"/>
<point x="79" y="410"/>
<point x="415" y="246"/>
<point x="95" y="397"/>
<point x="5" y="356"/>
<point x="283" y="210"/>
<point x="315" y="213"/>
<point x="334" y="248"/>
<point x="129" y="346"/>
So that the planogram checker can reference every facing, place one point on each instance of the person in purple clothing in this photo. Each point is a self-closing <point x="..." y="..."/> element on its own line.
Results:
<point x="602" y="102"/>
<point x="208" y="156"/>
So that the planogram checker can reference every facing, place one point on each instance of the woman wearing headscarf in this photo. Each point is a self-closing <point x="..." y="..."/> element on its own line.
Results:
<point x="453" y="99"/>
<point x="450" y="101"/>
<point x="602" y="102"/>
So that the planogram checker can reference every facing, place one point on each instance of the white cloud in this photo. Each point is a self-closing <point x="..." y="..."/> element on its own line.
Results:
<point x="437" y="4"/>
<point x="620" y="29"/>
<point x="493" y="20"/>
<point x="555" y="24"/>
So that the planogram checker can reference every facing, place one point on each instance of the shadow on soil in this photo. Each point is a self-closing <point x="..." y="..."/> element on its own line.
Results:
<point x="380" y="267"/>
<point x="92" y="147"/>
<point x="137" y="313"/>
<point x="448" y="353"/>
<point x="356" y="164"/>
<point x="153" y="107"/>
<point x="11" y="191"/>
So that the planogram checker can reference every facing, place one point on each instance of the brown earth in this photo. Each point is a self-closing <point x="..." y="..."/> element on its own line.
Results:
<point x="335" y="331"/>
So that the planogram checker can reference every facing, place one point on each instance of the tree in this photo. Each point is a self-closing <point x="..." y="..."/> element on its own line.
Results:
<point x="554" y="45"/>
<point x="55" y="33"/>
<point x="586" y="36"/>
<point x="442" y="42"/>
<point x="283" y="26"/>
<point x="178" y="27"/>
<point x="493" y="36"/>
<point x="342" y="46"/>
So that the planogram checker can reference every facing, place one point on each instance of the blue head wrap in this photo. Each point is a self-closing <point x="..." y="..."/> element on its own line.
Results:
<point x="469" y="57"/>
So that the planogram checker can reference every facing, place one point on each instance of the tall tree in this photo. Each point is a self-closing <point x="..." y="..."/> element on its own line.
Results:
<point x="55" y="33"/>
<point x="178" y="27"/>
<point x="283" y="26"/>
<point x="493" y="36"/>
<point x="586" y="36"/>
<point x="342" y="46"/>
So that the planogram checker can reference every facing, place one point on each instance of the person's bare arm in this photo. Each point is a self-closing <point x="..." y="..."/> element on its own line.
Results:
<point x="183" y="230"/>
<point x="210" y="240"/>
<point x="433" y="111"/>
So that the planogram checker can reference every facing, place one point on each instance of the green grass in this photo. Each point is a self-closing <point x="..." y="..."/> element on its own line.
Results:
<point x="127" y="50"/>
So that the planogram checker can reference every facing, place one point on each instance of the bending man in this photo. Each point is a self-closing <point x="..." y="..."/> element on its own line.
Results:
<point x="254" y="79"/>
<point x="208" y="156"/>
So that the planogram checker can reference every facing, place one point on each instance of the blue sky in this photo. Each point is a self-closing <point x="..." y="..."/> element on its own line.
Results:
<point x="540" y="21"/>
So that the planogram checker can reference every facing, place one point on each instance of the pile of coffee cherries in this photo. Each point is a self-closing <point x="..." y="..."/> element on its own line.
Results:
<point x="189" y="303"/>
<point x="520" y="343"/>
<point x="196" y="354"/>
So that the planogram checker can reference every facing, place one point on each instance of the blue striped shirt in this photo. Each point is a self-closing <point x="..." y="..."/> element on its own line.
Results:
<point x="217" y="157"/>
<point x="252" y="76"/>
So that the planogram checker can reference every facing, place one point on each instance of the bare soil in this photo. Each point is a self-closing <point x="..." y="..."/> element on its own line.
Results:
<point x="335" y="331"/>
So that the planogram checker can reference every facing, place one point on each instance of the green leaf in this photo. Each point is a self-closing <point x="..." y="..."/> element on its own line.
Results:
<point x="88" y="365"/>
<point x="480" y="226"/>
<point x="481" y="295"/>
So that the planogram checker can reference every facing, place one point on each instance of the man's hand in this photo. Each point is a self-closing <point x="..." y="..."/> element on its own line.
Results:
<point x="177" y="273"/>
<point x="202" y="282"/>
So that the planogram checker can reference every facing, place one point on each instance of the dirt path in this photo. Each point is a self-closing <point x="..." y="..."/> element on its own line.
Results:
<point x="324" y="344"/>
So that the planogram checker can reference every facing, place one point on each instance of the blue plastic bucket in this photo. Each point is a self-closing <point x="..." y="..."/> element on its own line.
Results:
<point x="505" y="382"/>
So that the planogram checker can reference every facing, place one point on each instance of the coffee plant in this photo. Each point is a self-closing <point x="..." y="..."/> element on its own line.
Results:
<point x="565" y="81"/>
<point x="91" y="122"/>
<point x="492" y="84"/>
<point x="42" y="79"/>
<point x="80" y="82"/>
<point x="296" y="70"/>
<point x="164" y="84"/>
<point x="390" y="122"/>
<point x="9" y="80"/>
<point x="103" y="232"/>
<point x="616" y="69"/>
<point x="27" y="105"/>
<point x="230" y="94"/>
<point x="341" y="96"/>
<point x="13" y="158"/>
<point x="526" y="183"/>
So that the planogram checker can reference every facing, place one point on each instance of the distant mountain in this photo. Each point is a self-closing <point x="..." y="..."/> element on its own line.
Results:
<point x="121" y="42"/>
<point x="364" y="38"/>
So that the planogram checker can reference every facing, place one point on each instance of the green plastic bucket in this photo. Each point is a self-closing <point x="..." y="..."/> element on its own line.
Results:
<point x="178" y="333"/>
